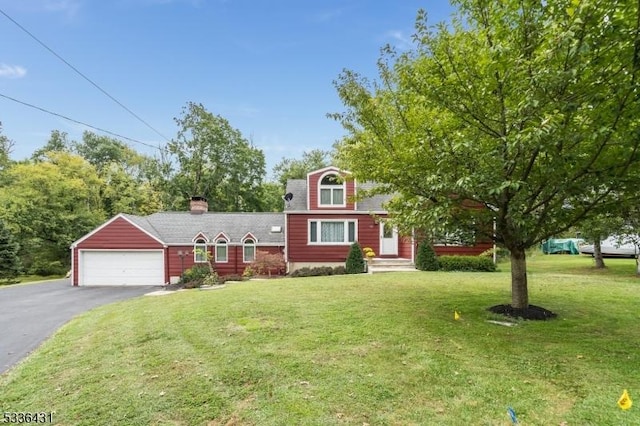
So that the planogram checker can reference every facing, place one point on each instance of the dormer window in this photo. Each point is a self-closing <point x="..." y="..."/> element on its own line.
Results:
<point x="332" y="191"/>
<point x="221" y="251"/>
<point x="248" y="250"/>
<point x="200" y="251"/>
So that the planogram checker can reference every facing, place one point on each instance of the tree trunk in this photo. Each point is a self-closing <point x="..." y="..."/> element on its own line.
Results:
<point x="519" y="290"/>
<point x="597" y="253"/>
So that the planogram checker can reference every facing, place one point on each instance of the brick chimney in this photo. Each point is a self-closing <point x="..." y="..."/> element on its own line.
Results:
<point x="198" y="205"/>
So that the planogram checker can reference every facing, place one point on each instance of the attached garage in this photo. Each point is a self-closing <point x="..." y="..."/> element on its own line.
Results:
<point x="121" y="267"/>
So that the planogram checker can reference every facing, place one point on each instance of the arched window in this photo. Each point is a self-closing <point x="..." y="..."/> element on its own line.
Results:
<point x="200" y="251"/>
<point x="249" y="251"/>
<point x="331" y="191"/>
<point x="221" y="251"/>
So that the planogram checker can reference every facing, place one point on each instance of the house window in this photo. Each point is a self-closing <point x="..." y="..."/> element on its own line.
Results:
<point x="332" y="231"/>
<point x="332" y="191"/>
<point x="221" y="251"/>
<point x="200" y="251"/>
<point x="249" y="251"/>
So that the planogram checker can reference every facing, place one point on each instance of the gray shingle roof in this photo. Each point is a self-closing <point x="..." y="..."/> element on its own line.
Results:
<point x="298" y="187"/>
<point x="182" y="227"/>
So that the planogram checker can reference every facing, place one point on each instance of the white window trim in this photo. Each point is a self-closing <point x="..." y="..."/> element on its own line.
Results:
<point x="244" y="245"/>
<point x="346" y="232"/>
<point x="342" y="186"/>
<point x="220" y="242"/>
<point x="199" y="245"/>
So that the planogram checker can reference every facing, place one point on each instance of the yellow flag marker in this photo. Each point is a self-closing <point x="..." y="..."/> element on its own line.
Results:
<point x="456" y="315"/>
<point x="625" y="401"/>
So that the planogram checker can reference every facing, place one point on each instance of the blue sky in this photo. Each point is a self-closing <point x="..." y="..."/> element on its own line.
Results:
<point x="266" y="66"/>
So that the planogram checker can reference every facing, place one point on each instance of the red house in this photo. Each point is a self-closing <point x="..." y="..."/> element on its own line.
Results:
<point x="321" y="220"/>
<point x="156" y="249"/>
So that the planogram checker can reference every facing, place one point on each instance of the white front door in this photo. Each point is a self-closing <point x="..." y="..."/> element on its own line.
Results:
<point x="388" y="240"/>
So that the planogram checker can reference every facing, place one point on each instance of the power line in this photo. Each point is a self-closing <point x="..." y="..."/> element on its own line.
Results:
<point x="84" y="76"/>
<point x="78" y="122"/>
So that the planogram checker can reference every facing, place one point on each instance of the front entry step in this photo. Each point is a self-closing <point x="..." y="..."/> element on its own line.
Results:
<point x="380" y="264"/>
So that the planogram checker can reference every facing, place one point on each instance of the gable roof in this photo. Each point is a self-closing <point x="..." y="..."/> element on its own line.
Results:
<point x="133" y="220"/>
<point x="180" y="227"/>
<point x="300" y="191"/>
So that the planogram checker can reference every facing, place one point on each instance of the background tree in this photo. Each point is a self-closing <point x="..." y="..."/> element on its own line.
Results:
<point x="127" y="186"/>
<point x="58" y="142"/>
<point x="210" y="158"/>
<point x="6" y="147"/>
<point x="528" y="109"/>
<point x="10" y="266"/>
<point x="598" y="228"/>
<point x="50" y="204"/>
<point x="271" y="197"/>
<point x="289" y="168"/>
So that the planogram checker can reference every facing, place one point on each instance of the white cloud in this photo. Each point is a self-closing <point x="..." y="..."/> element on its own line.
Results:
<point x="327" y="15"/>
<point x="399" y="39"/>
<point x="67" y="7"/>
<point x="12" y="71"/>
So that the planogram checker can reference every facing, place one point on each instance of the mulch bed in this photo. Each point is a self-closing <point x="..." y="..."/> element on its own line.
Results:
<point x="533" y="312"/>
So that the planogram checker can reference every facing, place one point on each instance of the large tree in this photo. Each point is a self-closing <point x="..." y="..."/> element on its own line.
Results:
<point x="125" y="172"/>
<point x="212" y="159"/>
<point x="6" y="147"/>
<point x="10" y="265"/>
<point x="297" y="168"/>
<point x="58" y="142"/>
<point x="526" y="108"/>
<point x="50" y="204"/>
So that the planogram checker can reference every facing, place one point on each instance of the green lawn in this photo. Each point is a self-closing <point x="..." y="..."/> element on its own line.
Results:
<point x="26" y="279"/>
<point x="349" y="350"/>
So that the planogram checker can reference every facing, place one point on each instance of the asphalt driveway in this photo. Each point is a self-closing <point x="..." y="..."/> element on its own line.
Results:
<point x="30" y="313"/>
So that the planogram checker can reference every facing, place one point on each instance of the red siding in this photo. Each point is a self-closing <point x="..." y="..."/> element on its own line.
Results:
<point x="462" y="250"/>
<point x="300" y="251"/>
<point x="405" y="247"/>
<point x="312" y="193"/>
<point x="74" y="266"/>
<point x="234" y="266"/>
<point x="118" y="235"/>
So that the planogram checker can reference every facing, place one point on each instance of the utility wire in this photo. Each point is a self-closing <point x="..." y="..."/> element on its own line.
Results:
<point x="78" y="122"/>
<point x="83" y="76"/>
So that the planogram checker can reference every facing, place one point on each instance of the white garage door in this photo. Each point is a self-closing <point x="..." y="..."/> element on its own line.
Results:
<point x="114" y="267"/>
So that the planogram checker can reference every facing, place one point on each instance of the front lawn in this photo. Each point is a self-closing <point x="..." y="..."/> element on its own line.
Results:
<point x="23" y="279"/>
<point x="364" y="349"/>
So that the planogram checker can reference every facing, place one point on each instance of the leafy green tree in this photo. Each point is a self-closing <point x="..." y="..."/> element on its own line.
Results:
<point x="522" y="112"/>
<point x="355" y="260"/>
<point x="50" y="204"/>
<point x="128" y="187"/>
<point x="6" y="147"/>
<point x="598" y="228"/>
<point x="10" y="265"/>
<point x="104" y="151"/>
<point x="212" y="159"/>
<point x="58" y="142"/>
<point x="289" y="168"/>
<point x="426" y="259"/>
<point x="271" y="197"/>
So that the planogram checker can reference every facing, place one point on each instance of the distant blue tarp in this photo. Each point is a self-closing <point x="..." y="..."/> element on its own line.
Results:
<point x="562" y="245"/>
